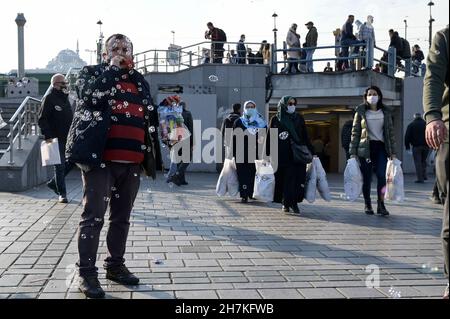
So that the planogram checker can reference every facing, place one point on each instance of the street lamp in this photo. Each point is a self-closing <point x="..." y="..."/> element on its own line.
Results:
<point x="91" y="52"/>
<point x="100" y="42"/>
<point x="406" y="28"/>
<point x="173" y="37"/>
<point x="275" y="30"/>
<point x="430" y="4"/>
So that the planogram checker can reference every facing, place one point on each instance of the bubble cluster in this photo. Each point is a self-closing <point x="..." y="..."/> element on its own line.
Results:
<point x="213" y="78"/>
<point x="393" y="293"/>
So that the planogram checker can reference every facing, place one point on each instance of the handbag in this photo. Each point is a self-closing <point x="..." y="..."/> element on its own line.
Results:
<point x="302" y="154"/>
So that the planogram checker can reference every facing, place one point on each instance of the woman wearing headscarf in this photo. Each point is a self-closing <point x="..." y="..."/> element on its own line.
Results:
<point x="290" y="176"/>
<point x="246" y="136"/>
<point x="373" y="142"/>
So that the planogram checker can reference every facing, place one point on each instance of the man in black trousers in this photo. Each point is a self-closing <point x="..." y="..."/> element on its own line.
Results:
<point x="415" y="136"/>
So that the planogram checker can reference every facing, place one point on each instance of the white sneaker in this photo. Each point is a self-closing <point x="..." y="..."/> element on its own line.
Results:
<point x="62" y="199"/>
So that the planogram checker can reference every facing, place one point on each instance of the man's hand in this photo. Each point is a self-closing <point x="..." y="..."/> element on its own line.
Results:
<point x="436" y="134"/>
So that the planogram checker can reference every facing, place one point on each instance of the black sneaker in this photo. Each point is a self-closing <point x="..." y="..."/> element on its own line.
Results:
<point x="244" y="200"/>
<point x="52" y="186"/>
<point x="285" y="209"/>
<point x="122" y="275"/>
<point x="91" y="287"/>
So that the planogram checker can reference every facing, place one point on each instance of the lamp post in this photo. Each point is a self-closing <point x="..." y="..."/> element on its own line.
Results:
<point x="91" y="52"/>
<point x="173" y="37"/>
<point x="275" y="30"/>
<point x="430" y="4"/>
<point x="406" y="28"/>
<point x="100" y="43"/>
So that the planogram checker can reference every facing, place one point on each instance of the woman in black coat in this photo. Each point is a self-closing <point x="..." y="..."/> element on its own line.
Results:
<point x="290" y="177"/>
<point x="246" y="137"/>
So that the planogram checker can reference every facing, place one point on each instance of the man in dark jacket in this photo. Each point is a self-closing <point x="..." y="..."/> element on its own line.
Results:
<point x="415" y="136"/>
<point x="55" y="118"/>
<point x="396" y="42"/>
<point x="182" y="166"/>
<point x="113" y="133"/>
<point x="217" y="50"/>
<point x="436" y="107"/>
<point x="349" y="39"/>
<point x="227" y="128"/>
<point x="346" y="137"/>
<point x="311" y="42"/>
<point x="241" y="51"/>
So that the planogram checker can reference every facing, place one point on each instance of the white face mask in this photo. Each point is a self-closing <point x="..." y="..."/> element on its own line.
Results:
<point x="291" y="109"/>
<point x="372" y="100"/>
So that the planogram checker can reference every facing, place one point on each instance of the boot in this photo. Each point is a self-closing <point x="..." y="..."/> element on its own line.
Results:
<point x="368" y="208"/>
<point x="295" y="209"/>
<point x="122" y="275"/>
<point x="382" y="209"/>
<point x="91" y="288"/>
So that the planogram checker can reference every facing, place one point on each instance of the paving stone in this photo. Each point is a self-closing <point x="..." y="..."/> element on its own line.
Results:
<point x="196" y="294"/>
<point x="280" y="294"/>
<point x="321" y="293"/>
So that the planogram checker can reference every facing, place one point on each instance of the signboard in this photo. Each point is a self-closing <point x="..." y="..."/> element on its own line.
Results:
<point x="174" y="54"/>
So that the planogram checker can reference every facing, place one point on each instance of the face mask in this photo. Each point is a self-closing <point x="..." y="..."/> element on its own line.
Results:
<point x="372" y="100"/>
<point x="250" y="112"/>
<point x="291" y="109"/>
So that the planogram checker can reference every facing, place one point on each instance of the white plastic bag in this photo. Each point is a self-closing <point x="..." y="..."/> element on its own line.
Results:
<point x="322" y="182"/>
<point x="264" y="188"/>
<point x="353" y="180"/>
<point x="395" y="181"/>
<point x="2" y="122"/>
<point x="50" y="153"/>
<point x="311" y="183"/>
<point x="228" y="181"/>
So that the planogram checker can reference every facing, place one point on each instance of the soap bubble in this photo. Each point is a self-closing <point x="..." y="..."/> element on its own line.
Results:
<point x="113" y="189"/>
<point x="213" y="78"/>
<point x="117" y="196"/>
<point x="150" y="108"/>
<point x="236" y="90"/>
<point x="83" y="236"/>
<point x="94" y="155"/>
<point x="152" y="129"/>
<point x="102" y="165"/>
<point x="393" y="293"/>
<point x="171" y="185"/>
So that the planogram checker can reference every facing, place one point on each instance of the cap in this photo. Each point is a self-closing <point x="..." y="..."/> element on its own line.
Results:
<point x="310" y="23"/>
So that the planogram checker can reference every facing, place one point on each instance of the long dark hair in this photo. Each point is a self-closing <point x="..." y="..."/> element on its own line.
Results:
<point x="380" y="96"/>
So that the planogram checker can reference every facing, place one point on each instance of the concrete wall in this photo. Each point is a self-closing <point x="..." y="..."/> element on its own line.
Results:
<point x="27" y="170"/>
<point x="412" y="102"/>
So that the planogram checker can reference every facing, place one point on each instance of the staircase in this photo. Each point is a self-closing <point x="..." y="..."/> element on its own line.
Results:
<point x="7" y="110"/>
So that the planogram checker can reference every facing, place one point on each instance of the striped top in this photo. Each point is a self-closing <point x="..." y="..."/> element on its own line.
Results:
<point x="126" y="137"/>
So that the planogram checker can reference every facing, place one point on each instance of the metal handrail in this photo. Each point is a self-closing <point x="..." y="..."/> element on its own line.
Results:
<point x="188" y="56"/>
<point x="25" y="120"/>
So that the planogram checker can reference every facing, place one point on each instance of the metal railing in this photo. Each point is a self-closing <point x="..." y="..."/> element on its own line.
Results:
<point x="177" y="59"/>
<point x="24" y="122"/>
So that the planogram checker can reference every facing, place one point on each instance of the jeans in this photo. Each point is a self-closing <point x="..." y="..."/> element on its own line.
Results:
<point x="118" y="185"/>
<point x="181" y="170"/>
<point x="420" y="154"/>
<point x="378" y="163"/>
<point x="310" y="65"/>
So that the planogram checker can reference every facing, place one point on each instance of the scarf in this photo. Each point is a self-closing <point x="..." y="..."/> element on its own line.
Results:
<point x="253" y="123"/>
<point x="286" y="119"/>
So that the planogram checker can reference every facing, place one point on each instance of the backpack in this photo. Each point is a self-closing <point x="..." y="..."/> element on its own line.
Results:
<point x="222" y="35"/>
<point x="406" y="49"/>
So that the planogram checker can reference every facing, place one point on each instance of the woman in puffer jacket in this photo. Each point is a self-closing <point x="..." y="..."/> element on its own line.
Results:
<point x="373" y="143"/>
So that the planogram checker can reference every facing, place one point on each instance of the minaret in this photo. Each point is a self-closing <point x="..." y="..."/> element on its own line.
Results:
<point x="78" y="48"/>
<point x="20" y="21"/>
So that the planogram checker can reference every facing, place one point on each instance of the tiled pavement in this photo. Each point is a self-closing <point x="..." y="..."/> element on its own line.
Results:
<point x="187" y="243"/>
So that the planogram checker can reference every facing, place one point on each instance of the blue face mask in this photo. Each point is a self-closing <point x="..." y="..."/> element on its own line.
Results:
<point x="250" y="112"/>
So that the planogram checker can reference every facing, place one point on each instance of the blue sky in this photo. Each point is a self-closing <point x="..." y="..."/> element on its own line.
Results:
<point x="56" y="25"/>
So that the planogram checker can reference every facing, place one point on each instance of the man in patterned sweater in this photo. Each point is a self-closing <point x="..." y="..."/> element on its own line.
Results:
<point x="112" y="136"/>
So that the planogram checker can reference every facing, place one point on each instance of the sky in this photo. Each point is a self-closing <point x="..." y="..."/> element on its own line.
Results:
<point x="53" y="26"/>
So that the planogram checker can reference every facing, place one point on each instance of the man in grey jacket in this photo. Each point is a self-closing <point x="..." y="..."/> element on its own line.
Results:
<point x="311" y="42"/>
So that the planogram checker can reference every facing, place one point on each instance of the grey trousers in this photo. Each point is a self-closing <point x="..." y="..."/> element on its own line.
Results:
<point x="442" y="177"/>
<point x="116" y="185"/>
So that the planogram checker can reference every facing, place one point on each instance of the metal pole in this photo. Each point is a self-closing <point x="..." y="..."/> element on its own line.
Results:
<point x="370" y="54"/>
<point x="392" y="60"/>
<point x="11" y="143"/>
<point x="20" y="21"/>
<point x="406" y="29"/>
<point x="19" y="133"/>
<point x="430" y="40"/>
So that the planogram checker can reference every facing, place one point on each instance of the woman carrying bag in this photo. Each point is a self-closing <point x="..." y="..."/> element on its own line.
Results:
<point x="250" y="125"/>
<point x="373" y="142"/>
<point x="294" y="153"/>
